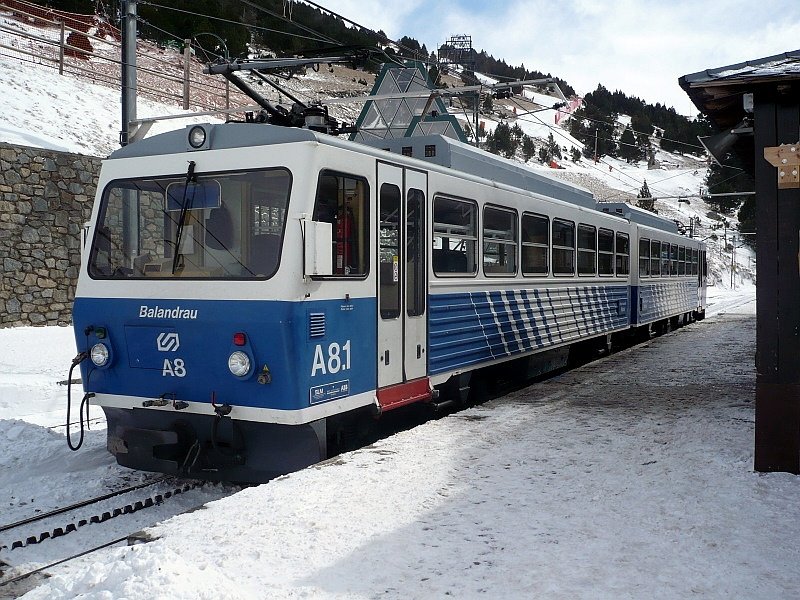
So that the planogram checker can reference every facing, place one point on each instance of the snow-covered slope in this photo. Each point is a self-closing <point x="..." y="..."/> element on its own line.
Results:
<point x="43" y="109"/>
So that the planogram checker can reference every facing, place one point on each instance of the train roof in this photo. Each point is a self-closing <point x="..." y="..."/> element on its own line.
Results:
<point x="220" y="136"/>
<point x="459" y="156"/>
<point x="435" y="149"/>
<point x="638" y="215"/>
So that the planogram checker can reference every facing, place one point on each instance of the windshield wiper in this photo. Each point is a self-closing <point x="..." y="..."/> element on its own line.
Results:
<point x="185" y="206"/>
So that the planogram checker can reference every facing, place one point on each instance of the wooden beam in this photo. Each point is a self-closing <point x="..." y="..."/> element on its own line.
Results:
<point x="777" y="427"/>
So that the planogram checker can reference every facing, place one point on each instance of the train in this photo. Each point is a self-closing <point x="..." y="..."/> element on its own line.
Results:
<point x="249" y="291"/>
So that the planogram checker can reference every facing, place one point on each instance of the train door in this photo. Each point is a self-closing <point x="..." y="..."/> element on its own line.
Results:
<point x="402" y="335"/>
<point x="702" y="280"/>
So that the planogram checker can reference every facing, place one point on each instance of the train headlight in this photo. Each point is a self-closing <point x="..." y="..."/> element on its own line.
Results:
<point x="99" y="354"/>
<point x="197" y="136"/>
<point x="239" y="363"/>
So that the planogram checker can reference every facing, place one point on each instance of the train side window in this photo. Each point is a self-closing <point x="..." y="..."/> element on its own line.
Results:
<point x="535" y="244"/>
<point x="644" y="257"/>
<point x="499" y="241"/>
<point x="605" y="252"/>
<point x="415" y="253"/>
<point x="703" y="263"/>
<point x="673" y="259"/>
<point x="655" y="258"/>
<point x="587" y="249"/>
<point x="665" y="259"/>
<point x="342" y="200"/>
<point x="563" y="247"/>
<point x="389" y="254"/>
<point x="682" y="260"/>
<point x="455" y="236"/>
<point x="623" y="252"/>
<point x="694" y="261"/>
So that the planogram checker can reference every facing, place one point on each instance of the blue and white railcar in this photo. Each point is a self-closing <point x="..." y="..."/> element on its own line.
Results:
<point x="248" y="289"/>
<point x="668" y="283"/>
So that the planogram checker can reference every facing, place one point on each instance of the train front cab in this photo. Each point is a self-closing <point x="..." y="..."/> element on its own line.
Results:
<point x="213" y="352"/>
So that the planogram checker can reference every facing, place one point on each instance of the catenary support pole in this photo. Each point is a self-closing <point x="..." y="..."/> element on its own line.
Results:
<point x="128" y="69"/>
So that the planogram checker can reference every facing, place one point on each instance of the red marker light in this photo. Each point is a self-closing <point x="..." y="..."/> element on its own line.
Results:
<point x="239" y="339"/>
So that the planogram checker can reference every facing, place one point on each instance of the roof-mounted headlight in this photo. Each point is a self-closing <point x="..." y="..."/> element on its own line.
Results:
<point x="197" y="137"/>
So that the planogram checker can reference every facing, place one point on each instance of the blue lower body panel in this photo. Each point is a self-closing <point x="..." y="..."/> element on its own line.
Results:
<point x="657" y="301"/>
<point x="472" y="328"/>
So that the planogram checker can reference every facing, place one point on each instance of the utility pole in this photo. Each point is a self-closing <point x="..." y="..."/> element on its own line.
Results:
<point x="595" y="145"/>
<point x="128" y="69"/>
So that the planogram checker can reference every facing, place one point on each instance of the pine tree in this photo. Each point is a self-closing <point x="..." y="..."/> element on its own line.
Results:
<point x="528" y="148"/>
<point x="645" y="198"/>
<point x="628" y="149"/>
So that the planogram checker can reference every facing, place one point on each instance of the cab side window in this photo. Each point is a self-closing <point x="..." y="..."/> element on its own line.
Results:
<point x="342" y="201"/>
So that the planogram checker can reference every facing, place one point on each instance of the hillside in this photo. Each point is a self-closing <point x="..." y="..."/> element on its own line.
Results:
<point x="41" y="108"/>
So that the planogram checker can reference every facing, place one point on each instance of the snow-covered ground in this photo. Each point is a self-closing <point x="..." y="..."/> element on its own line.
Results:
<point x="628" y="478"/>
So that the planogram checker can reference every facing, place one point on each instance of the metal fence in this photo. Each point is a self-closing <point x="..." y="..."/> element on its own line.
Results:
<point x="88" y="47"/>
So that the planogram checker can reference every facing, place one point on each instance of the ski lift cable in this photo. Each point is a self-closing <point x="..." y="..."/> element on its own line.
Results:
<point x="560" y="133"/>
<point x="638" y="183"/>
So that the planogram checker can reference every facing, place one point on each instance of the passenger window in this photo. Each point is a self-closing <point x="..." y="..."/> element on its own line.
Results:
<point x="623" y="251"/>
<point x="673" y="263"/>
<point x="644" y="257"/>
<point x="587" y="249"/>
<point x="499" y="241"/>
<point x="563" y="247"/>
<point x="655" y="258"/>
<point x="535" y="244"/>
<point x="605" y="252"/>
<point x="342" y="200"/>
<point x="455" y="236"/>
<point x="694" y="262"/>
<point x="665" y="259"/>
<point x="682" y="260"/>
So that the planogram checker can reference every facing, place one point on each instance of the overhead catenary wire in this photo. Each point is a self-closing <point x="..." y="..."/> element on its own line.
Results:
<point x="324" y="37"/>
<point x="426" y="60"/>
<point x="232" y="22"/>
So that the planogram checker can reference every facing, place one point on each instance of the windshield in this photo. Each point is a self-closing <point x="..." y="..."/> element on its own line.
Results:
<point x="223" y="226"/>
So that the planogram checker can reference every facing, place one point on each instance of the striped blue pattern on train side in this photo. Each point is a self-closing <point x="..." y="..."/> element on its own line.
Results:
<point x="469" y="328"/>
<point x="661" y="300"/>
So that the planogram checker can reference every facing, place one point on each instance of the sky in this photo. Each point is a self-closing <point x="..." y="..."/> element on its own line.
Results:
<point x="640" y="47"/>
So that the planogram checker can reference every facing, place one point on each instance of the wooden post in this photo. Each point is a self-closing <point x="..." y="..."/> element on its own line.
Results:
<point x="61" y="50"/>
<point x="777" y="427"/>
<point x="187" y="56"/>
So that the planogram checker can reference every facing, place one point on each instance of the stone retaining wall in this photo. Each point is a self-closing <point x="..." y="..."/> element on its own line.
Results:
<point x="45" y="198"/>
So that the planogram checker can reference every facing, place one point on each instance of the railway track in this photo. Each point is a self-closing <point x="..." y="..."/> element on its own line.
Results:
<point x="41" y="530"/>
<point x="44" y="526"/>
